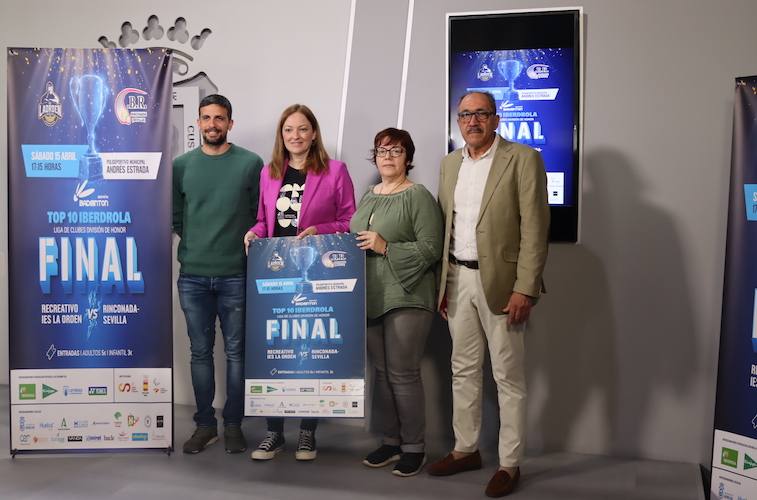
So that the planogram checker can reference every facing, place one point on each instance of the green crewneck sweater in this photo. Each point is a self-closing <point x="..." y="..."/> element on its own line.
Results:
<point x="215" y="200"/>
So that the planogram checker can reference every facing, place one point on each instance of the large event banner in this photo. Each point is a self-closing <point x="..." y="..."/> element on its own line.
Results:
<point x="734" y="453"/>
<point x="89" y="249"/>
<point x="305" y="342"/>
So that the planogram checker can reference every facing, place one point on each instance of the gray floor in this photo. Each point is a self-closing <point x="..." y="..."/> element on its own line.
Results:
<point x="336" y="474"/>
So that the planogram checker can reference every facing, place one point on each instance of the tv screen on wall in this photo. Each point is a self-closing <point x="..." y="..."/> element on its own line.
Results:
<point x="530" y="63"/>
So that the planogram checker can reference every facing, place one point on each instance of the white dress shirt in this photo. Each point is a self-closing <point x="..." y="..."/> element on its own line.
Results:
<point x="468" y="194"/>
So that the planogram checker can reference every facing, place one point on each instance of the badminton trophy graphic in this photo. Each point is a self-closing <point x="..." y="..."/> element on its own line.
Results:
<point x="303" y="257"/>
<point x="510" y="69"/>
<point x="89" y="94"/>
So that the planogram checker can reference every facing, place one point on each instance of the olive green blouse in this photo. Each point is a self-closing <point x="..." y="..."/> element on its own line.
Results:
<point x="411" y="223"/>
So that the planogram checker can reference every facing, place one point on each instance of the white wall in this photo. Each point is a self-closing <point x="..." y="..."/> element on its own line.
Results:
<point x="623" y="349"/>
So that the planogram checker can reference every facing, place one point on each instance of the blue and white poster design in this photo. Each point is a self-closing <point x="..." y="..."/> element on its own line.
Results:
<point x="533" y="90"/>
<point x="89" y="249"/>
<point x="305" y="342"/>
<point x="734" y="451"/>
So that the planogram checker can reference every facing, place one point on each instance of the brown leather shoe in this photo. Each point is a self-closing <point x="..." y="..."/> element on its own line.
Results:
<point x="502" y="483"/>
<point x="450" y="465"/>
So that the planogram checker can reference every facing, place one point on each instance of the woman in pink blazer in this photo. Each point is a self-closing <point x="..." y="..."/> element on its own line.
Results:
<point x="302" y="192"/>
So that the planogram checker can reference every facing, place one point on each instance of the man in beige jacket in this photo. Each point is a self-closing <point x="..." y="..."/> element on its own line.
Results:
<point x="493" y="195"/>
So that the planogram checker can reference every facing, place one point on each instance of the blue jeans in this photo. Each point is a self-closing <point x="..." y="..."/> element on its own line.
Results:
<point x="202" y="299"/>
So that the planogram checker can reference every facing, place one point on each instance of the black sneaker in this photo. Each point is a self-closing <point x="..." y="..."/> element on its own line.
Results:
<point x="201" y="439"/>
<point x="269" y="447"/>
<point x="383" y="455"/>
<point x="234" y="439"/>
<point x="306" y="446"/>
<point x="410" y="464"/>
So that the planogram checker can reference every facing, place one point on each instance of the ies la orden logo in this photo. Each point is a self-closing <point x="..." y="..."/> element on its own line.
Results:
<point x="276" y="263"/>
<point x="485" y="73"/>
<point x="49" y="109"/>
<point x="130" y="106"/>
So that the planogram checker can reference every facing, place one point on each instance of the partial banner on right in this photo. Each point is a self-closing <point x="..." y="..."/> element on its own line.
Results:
<point x="734" y="450"/>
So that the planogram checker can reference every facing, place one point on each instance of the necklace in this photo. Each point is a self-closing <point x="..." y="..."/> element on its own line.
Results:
<point x="395" y="188"/>
<point x="381" y="192"/>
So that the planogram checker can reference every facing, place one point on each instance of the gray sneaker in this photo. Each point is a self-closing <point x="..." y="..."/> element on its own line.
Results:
<point x="234" y="439"/>
<point x="201" y="439"/>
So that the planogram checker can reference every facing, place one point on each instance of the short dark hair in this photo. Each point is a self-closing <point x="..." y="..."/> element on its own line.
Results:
<point x="395" y="135"/>
<point x="216" y="99"/>
<point x="488" y="95"/>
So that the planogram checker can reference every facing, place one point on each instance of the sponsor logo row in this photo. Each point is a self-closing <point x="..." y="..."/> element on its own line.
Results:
<point x="91" y="386"/>
<point x="730" y="458"/>
<point x="306" y="387"/>
<point x="36" y="440"/>
<point x="91" y="426"/>
<point x="28" y="392"/>
<point x="118" y="420"/>
<point x="343" y="406"/>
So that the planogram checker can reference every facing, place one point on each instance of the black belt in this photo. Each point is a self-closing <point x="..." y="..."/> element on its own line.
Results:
<point x="470" y="264"/>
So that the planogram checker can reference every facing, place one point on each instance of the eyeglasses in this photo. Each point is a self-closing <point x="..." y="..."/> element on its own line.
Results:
<point x="466" y="116"/>
<point x="394" y="152"/>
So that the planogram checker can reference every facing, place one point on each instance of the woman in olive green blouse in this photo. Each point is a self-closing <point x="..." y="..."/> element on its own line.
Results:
<point x="399" y="224"/>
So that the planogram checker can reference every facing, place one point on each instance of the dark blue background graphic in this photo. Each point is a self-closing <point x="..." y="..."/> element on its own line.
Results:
<point x="148" y="333"/>
<point x="555" y="116"/>
<point x="270" y="259"/>
<point x="736" y="402"/>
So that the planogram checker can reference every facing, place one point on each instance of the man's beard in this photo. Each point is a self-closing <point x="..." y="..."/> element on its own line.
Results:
<point x="218" y="141"/>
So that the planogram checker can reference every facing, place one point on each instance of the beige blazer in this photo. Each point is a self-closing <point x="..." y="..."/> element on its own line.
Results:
<point x="513" y="225"/>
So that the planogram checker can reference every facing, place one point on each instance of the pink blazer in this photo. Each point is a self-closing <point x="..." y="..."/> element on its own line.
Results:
<point x="327" y="203"/>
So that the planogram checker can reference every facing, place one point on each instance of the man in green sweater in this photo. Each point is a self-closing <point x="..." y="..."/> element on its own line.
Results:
<point x="215" y="200"/>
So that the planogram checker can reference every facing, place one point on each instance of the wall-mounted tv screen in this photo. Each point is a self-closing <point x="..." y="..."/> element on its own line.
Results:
<point x="530" y="63"/>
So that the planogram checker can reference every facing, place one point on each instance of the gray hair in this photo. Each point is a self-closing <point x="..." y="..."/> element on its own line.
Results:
<point x="489" y="97"/>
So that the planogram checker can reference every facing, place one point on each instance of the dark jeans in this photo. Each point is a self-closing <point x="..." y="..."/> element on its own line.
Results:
<point x="396" y="342"/>
<point x="203" y="299"/>
<point x="276" y="424"/>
